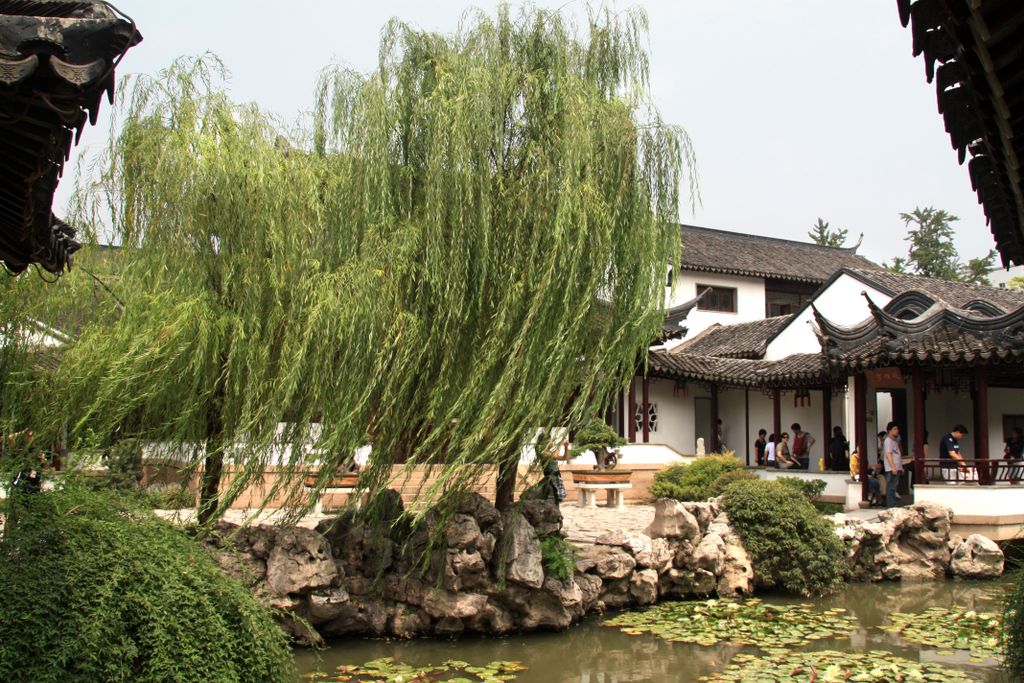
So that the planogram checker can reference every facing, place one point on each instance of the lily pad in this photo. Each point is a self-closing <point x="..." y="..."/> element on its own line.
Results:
<point x="747" y="622"/>
<point x="950" y="629"/>
<point x="387" y="670"/>
<point x="830" y="666"/>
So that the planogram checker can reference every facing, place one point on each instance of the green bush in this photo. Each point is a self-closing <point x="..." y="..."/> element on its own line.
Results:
<point x="558" y="557"/>
<point x="1013" y="628"/>
<point x="811" y="489"/>
<point x="719" y="485"/>
<point x="791" y="546"/>
<point x="95" y="589"/>
<point x="693" y="481"/>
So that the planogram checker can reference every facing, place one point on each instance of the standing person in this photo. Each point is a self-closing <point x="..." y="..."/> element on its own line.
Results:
<point x="802" y="442"/>
<point x="769" y="452"/>
<point x="839" y="450"/>
<point x="783" y="455"/>
<point x="892" y="460"/>
<point x="1014" y="452"/>
<point x="759" y="446"/>
<point x="720" y="436"/>
<point x="950" y="459"/>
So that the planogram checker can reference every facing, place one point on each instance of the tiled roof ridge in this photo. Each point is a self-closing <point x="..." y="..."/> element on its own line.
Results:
<point x="852" y="250"/>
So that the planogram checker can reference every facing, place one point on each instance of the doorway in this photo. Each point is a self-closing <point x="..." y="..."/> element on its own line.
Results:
<point x="702" y="422"/>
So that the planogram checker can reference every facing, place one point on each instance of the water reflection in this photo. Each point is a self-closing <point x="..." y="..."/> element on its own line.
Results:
<point x="591" y="653"/>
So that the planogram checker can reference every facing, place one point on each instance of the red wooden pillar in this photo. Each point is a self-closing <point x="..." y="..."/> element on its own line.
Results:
<point x="644" y="416"/>
<point x="776" y="413"/>
<point x="630" y="417"/>
<point x="986" y="475"/>
<point x="860" y="429"/>
<point x="917" y="378"/>
<point x="715" y="444"/>
<point x="826" y="423"/>
<point x="622" y="413"/>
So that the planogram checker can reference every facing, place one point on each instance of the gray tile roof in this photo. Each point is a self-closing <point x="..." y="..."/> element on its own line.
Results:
<point x="957" y="294"/>
<point x="798" y="370"/>
<point x="736" y="253"/>
<point x="742" y="340"/>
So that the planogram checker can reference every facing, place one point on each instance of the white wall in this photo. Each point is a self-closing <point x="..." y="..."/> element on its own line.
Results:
<point x="749" y="299"/>
<point x="841" y="303"/>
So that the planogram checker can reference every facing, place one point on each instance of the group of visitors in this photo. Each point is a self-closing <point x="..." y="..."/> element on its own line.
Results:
<point x="779" y="452"/>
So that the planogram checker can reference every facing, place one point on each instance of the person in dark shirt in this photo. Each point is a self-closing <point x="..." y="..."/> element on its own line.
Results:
<point x="762" y="440"/>
<point x="949" y="454"/>
<point x="839" y="450"/>
<point x="1014" y="451"/>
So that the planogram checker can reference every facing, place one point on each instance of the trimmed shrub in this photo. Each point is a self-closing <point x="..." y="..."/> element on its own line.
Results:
<point x="811" y="489"/>
<point x="791" y="546"/>
<point x="1013" y="628"/>
<point x="693" y="481"/>
<point x="718" y="487"/>
<point x="99" y="590"/>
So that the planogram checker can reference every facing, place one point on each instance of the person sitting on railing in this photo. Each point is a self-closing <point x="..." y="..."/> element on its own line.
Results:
<point x="949" y="454"/>
<point x="1014" y="452"/>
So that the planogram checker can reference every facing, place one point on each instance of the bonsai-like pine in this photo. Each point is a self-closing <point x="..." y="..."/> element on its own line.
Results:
<point x="599" y="438"/>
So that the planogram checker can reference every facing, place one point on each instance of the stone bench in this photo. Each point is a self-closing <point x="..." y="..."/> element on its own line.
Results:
<point x="346" y="485"/>
<point x="615" y="496"/>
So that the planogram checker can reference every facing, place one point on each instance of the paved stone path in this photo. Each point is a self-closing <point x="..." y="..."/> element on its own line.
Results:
<point x="583" y="525"/>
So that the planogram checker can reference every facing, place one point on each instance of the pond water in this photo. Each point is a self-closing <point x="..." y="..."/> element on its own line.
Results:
<point x="592" y="653"/>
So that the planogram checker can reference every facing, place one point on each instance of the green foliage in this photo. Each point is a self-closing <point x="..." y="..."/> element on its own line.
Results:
<point x="723" y="480"/>
<point x="558" y="556"/>
<point x="826" y="236"/>
<point x="1016" y="282"/>
<point x="96" y="590"/>
<point x="595" y="434"/>
<point x="976" y="270"/>
<point x="791" y="546"/>
<point x="406" y="273"/>
<point x="694" y="481"/>
<point x="931" y="252"/>
<point x="124" y="464"/>
<point x="811" y="489"/>
<point x="747" y="622"/>
<point x="1013" y="627"/>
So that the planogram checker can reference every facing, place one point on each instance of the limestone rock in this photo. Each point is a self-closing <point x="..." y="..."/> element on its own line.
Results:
<point x="737" y="577"/>
<point x="643" y="586"/>
<point x="524" y="559"/>
<point x="710" y="553"/>
<point x="704" y="582"/>
<point x="465" y="570"/>
<point x="590" y="589"/>
<point x="441" y="603"/>
<point x="300" y="562"/>
<point x="325" y="605"/>
<point x="462" y="532"/>
<point x="449" y="627"/>
<point x="543" y="515"/>
<point x="658" y="556"/>
<point x="673" y="520"/>
<point x="409" y="622"/>
<point x="359" y="615"/>
<point x="608" y="562"/>
<point x="978" y="557"/>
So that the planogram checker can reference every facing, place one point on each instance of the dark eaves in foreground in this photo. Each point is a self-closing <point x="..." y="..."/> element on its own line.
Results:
<point x="57" y="61"/>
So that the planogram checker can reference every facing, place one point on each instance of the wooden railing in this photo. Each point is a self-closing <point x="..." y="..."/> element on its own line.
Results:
<point x="976" y="471"/>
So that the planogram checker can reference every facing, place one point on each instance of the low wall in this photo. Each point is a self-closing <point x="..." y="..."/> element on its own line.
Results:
<point x="993" y="511"/>
<point x="835" y="482"/>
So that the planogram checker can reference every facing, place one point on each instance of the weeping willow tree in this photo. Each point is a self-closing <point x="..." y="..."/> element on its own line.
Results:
<point x="468" y="245"/>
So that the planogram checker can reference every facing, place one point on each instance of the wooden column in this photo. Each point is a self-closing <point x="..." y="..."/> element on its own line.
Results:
<point x="643" y="416"/>
<point x="777" y="413"/>
<point x="917" y="380"/>
<point x="986" y="475"/>
<point x="631" y="419"/>
<point x="746" y="422"/>
<point x="826" y="423"/>
<point x="860" y="429"/>
<point x="715" y="445"/>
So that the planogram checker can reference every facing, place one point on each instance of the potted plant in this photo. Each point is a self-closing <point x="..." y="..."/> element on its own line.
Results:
<point x="597" y="437"/>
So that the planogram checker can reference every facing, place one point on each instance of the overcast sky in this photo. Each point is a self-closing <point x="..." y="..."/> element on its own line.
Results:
<point x="797" y="108"/>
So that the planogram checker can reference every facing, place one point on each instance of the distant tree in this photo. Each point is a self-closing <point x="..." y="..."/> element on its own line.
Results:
<point x="930" y="234"/>
<point x="898" y="265"/>
<point x="976" y="270"/>
<point x="825" y="235"/>
<point x="1016" y="282"/>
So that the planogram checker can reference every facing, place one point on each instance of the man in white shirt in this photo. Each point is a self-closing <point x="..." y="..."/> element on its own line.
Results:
<point x="769" y="452"/>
